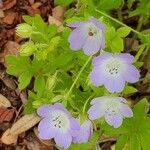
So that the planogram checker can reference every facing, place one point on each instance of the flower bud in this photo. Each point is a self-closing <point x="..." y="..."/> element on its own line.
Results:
<point x="27" y="49"/>
<point x="24" y="30"/>
<point x="51" y="81"/>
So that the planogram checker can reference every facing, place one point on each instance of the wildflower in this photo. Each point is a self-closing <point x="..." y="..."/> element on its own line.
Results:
<point x="87" y="35"/>
<point x="85" y="132"/>
<point x="113" y="109"/>
<point x="113" y="70"/>
<point x="57" y="123"/>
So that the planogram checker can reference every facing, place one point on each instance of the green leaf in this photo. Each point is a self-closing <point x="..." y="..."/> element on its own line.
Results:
<point x="142" y="9"/>
<point x="134" y="143"/>
<point x="17" y="64"/>
<point x="129" y="89"/>
<point x="121" y="141"/>
<point x="28" y="108"/>
<point x="108" y="5"/>
<point x="24" y="79"/>
<point x="28" y="19"/>
<point x="123" y="31"/>
<point x="140" y="108"/>
<point x="145" y="140"/>
<point x="130" y="3"/>
<point x="114" y="41"/>
<point x="39" y="85"/>
<point x="62" y="2"/>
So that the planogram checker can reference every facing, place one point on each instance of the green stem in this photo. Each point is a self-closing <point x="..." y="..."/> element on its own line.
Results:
<point x="97" y="147"/>
<point x="139" y="53"/>
<point x="76" y="79"/>
<point x="85" y="104"/>
<point x="122" y="24"/>
<point x="140" y="23"/>
<point x="119" y="12"/>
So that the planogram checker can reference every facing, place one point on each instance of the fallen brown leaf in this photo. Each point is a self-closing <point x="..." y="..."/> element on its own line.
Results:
<point x="10" y="18"/>
<point x="1" y="13"/>
<point x="11" y="47"/>
<point x="58" y="13"/>
<point x="8" y="138"/>
<point x="9" y="4"/>
<point x="36" y="5"/>
<point x="9" y="82"/>
<point x="53" y="20"/>
<point x="24" y="123"/>
<point x="4" y="102"/>
<point x="6" y="114"/>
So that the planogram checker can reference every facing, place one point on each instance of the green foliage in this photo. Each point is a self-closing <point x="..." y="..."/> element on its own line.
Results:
<point x="134" y="131"/>
<point x="114" y="39"/>
<point x="62" y="2"/>
<point x="129" y="90"/>
<point x="108" y="5"/>
<point x="142" y="9"/>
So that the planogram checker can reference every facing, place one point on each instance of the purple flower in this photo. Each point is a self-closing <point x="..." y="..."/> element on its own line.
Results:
<point x="57" y="123"/>
<point x="85" y="132"/>
<point x="113" y="109"/>
<point x="113" y="70"/>
<point x="87" y="35"/>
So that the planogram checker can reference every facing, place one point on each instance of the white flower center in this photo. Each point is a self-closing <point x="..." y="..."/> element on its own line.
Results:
<point x="111" y="106"/>
<point x="92" y="30"/>
<point x="61" y="121"/>
<point x="113" y="66"/>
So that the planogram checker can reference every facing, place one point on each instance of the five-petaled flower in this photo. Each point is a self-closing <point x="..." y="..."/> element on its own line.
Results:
<point x="113" y="70"/>
<point x="113" y="109"/>
<point x="85" y="132"/>
<point x="57" y="123"/>
<point x="87" y="35"/>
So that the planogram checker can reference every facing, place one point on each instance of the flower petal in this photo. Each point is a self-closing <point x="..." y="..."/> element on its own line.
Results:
<point x="95" y="112"/>
<point x="98" y="100"/>
<point x="59" y="106"/>
<point x="63" y="140"/>
<point x="77" y="38"/>
<point x="99" y="59"/>
<point x="126" y="57"/>
<point x="84" y="133"/>
<point x="114" y="84"/>
<point x="132" y="74"/>
<point x="126" y="111"/>
<point x="46" y="129"/>
<point x="44" y="111"/>
<point x="97" y="23"/>
<point x="114" y="120"/>
<point x="75" y="126"/>
<point x="77" y="24"/>
<point x="97" y="77"/>
<point x="93" y="44"/>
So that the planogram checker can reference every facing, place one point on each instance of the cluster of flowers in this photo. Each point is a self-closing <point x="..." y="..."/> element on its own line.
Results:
<point x="110" y="70"/>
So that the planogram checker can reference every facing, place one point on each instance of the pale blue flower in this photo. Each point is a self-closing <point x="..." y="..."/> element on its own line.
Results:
<point x="113" y="70"/>
<point x="87" y="35"/>
<point x="57" y="123"/>
<point x="113" y="109"/>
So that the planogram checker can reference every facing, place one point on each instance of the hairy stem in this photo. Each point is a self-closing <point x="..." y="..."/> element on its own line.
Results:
<point x="133" y="30"/>
<point x="76" y="79"/>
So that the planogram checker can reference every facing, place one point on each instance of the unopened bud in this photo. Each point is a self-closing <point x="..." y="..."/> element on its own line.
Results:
<point x="24" y="30"/>
<point x="27" y="49"/>
<point x="51" y="81"/>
